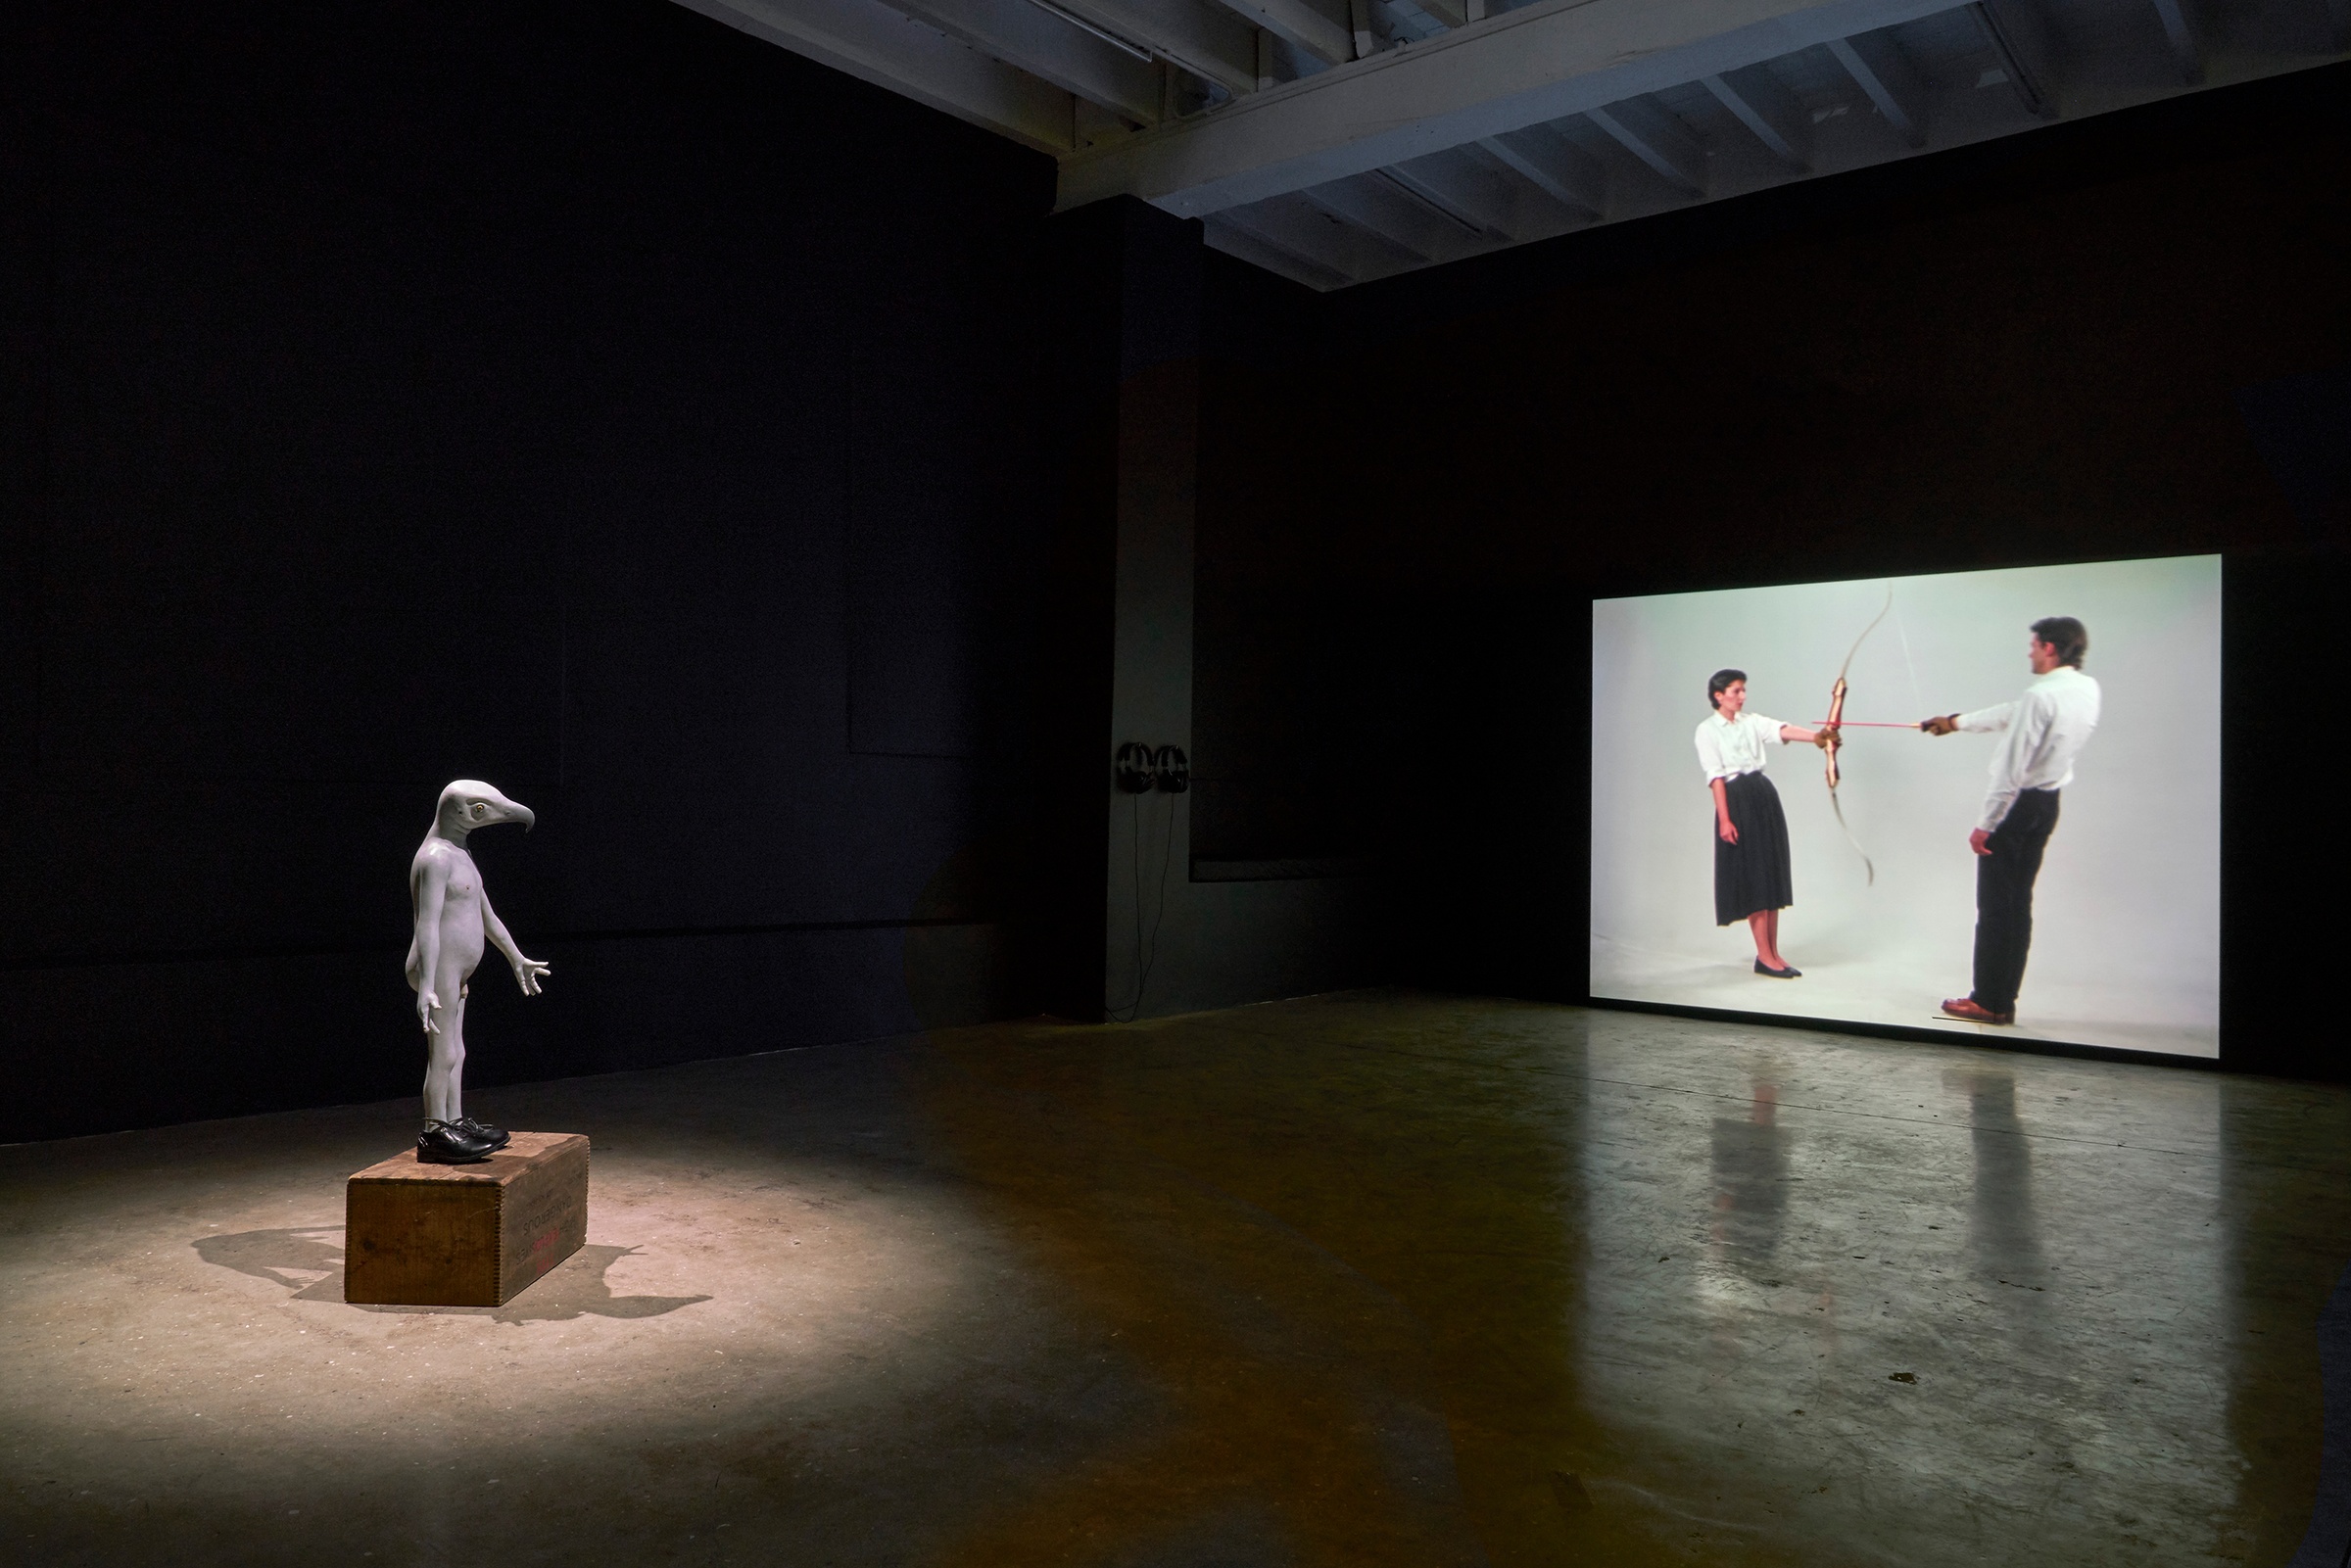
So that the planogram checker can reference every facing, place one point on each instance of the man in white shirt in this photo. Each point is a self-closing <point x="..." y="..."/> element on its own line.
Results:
<point x="2041" y="733"/>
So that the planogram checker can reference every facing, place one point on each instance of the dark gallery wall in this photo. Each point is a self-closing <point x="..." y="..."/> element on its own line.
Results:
<point x="1149" y="906"/>
<point x="580" y="397"/>
<point x="2122" y="337"/>
<point x="734" y="463"/>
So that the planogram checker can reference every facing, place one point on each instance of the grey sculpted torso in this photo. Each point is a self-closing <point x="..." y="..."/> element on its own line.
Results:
<point x="461" y="939"/>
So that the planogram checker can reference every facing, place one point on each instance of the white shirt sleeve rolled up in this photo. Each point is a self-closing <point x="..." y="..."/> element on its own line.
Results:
<point x="1710" y="750"/>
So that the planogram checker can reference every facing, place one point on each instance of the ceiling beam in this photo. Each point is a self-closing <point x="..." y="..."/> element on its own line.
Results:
<point x="1472" y="194"/>
<point x="1658" y="140"/>
<point x="1539" y="62"/>
<point x="1207" y="40"/>
<point x="1336" y="201"/>
<point x="1393" y="209"/>
<point x="893" y="51"/>
<point x="1045" y="45"/>
<point x="1879" y="69"/>
<point x="1304" y="227"/>
<point x="1303" y="25"/>
<point x="1517" y="205"/>
<point x="2180" y="30"/>
<point x="1554" y="166"/>
<point x="2019" y="34"/>
<point x="1761" y="102"/>
<point x="1232" y="232"/>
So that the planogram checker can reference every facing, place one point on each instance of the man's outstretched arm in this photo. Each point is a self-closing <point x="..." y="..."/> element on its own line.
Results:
<point x="1990" y="720"/>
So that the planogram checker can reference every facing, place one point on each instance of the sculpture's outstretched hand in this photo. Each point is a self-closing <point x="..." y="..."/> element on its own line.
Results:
<point x="427" y="1001"/>
<point x="527" y="971"/>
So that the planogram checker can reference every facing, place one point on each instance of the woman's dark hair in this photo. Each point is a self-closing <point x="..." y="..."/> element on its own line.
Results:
<point x="2067" y="636"/>
<point x="1722" y="679"/>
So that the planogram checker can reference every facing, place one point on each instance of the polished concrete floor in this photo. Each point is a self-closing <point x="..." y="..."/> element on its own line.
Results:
<point x="1379" y="1278"/>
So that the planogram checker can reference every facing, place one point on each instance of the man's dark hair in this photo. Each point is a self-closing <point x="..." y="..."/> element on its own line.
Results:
<point x="1718" y="683"/>
<point x="2066" y="635"/>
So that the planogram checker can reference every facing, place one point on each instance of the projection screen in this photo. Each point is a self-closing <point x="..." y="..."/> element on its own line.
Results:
<point x="1881" y="919"/>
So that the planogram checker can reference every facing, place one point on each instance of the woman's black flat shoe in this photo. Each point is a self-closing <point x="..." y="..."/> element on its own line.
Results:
<point x="1787" y="973"/>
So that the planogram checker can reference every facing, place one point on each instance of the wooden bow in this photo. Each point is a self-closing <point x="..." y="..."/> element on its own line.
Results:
<point x="1837" y="717"/>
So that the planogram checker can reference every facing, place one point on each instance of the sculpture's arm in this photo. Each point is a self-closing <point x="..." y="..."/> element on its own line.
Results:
<point x="432" y="888"/>
<point x="526" y="969"/>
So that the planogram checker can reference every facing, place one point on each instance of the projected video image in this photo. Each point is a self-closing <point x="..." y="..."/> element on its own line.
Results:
<point x="1982" y="801"/>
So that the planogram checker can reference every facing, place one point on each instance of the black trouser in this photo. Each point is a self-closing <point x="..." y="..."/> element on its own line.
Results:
<point x="2004" y="897"/>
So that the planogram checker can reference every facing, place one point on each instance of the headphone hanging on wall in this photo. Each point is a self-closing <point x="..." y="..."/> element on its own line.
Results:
<point x="1136" y="766"/>
<point x="1174" y="770"/>
<point x="1138" y="769"/>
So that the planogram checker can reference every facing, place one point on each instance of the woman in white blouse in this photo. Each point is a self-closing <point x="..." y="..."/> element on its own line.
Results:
<point x="1752" y="881"/>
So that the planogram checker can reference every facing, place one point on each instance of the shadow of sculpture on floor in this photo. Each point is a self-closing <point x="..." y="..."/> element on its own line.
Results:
<point x="307" y="1260"/>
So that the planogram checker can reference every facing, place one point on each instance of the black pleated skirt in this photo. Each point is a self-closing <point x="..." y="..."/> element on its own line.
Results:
<point x="1753" y="873"/>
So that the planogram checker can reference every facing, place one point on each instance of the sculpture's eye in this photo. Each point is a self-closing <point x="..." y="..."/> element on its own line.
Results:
<point x="480" y="810"/>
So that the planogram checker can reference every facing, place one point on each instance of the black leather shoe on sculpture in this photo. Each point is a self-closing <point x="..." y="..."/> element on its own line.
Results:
<point x="445" y="1143"/>
<point x="1788" y="974"/>
<point x="482" y="1132"/>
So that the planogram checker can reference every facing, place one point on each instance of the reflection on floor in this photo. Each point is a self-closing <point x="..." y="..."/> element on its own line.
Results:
<point x="1371" y="1280"/>
<point x="1906" y="990"/>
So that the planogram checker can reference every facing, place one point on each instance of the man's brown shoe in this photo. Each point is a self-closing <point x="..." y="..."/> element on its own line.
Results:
<point x="1968" y="1008"/>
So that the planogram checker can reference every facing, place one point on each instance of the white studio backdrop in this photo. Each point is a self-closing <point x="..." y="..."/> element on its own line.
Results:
<point x="2126" y="935"/>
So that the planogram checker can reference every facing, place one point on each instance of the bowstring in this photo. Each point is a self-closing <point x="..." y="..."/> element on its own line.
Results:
<point x="1869" y="867"/>
<point x="1903" y="631"/>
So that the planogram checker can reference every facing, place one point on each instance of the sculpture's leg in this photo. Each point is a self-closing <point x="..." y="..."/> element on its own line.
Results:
<point x="456" y="1056"/>
<point x="445" y="1055"/>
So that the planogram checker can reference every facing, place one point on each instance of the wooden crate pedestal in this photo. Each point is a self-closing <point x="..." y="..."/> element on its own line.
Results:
<point x="419" y="1235"/>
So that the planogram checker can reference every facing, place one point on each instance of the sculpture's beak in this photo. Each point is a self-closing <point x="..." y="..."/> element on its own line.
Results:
<point x="508" y="810"/>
